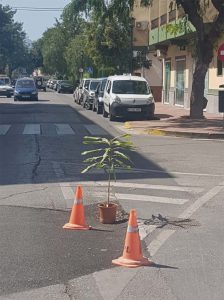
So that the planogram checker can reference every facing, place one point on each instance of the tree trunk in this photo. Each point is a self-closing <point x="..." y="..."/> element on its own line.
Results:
<point x="197" y="93"/>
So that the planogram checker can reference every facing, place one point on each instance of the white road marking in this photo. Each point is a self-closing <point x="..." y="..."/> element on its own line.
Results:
<point x="4" y="129"/>
<point x="31" y="129"/>
<point x="155" y="245"/>
<point x="175" y="172"/>
<point x="141" y="186"/>
<point x="145" y="230"/>
<point x="64" y="129"/>
<point x="95" y="130"/>
<point x="150" y="199"/>
<point x="67" y="192"/>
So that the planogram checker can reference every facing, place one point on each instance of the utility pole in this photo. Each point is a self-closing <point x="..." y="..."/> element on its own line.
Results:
<point x="132" y="25"/>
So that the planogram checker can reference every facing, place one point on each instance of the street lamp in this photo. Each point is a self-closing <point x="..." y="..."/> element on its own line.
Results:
<point x="132" y="25"/>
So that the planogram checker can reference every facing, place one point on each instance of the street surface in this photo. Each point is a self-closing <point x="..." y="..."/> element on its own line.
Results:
<point x="176" y="184"/>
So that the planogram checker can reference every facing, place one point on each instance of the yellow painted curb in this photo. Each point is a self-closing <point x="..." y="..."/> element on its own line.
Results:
<point x="155" y="132"/>
<point x="127" y="125"/>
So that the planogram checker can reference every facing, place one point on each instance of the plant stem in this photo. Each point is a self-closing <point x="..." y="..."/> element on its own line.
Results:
<point x="108" y="192"/>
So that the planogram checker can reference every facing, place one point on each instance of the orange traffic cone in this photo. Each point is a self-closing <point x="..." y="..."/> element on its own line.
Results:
<point x="132" y="254"/>
<point x="77" y="218"/>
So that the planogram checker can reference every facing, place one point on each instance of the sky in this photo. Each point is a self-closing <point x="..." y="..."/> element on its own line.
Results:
<point x="36" y="22"/>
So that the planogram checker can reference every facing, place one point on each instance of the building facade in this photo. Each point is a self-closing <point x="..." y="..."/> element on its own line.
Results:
<point x="171" y="53"/>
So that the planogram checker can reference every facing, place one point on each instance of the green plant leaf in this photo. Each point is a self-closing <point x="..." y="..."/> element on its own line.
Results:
<point x="92" y="159"/>
<point x="91" y="151"/>
<point x="122" y="155"/>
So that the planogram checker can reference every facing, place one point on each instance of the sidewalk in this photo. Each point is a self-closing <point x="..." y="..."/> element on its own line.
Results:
<point x="174" y="121"/>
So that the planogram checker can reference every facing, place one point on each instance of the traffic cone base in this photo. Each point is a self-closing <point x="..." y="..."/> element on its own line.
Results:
<point x="76" y="227"/>
<point x="121" y="261"/>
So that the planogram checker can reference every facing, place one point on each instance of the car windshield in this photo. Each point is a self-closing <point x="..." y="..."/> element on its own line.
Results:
<point x="93" y="85"/>
<point x="103" y="84"/>
<point x="25" y="83"/>
<point x="4" y="81"/>
<point x="86" y="84"/>
<point x="130" y="87"/>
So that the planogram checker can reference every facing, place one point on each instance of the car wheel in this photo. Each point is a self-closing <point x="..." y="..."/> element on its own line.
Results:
<point x="111" y="117"/>
<point x="93" y="107"/>
<point x="87" y="105"/>
<point x="98" y="109"/>
<point x="15" y="99"/>
<point x="105" y="114"/>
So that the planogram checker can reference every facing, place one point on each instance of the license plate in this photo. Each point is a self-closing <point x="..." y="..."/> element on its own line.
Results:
<point x="133" y="109"/>
<point x="25" y="96"/>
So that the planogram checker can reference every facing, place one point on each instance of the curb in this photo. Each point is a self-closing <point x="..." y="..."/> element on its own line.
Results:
<point x="161" y="132"/>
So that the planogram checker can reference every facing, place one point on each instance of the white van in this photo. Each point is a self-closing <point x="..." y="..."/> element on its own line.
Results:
<point x="127" y="95"/>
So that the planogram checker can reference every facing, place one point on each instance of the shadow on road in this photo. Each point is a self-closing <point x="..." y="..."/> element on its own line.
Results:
<point x="52" y="157"/>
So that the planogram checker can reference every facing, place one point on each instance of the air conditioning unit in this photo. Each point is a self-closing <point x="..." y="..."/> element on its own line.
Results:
<point x="158" y="53"/>
<point x="142" y="25"/>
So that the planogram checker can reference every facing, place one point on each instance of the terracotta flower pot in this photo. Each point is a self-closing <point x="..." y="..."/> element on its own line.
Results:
<point x="107" y="213"/>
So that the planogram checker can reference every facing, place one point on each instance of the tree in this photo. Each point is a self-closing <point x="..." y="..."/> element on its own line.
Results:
<point x="13" y="47"/>
<point x="205" y="40"/>
<point x="53" y="47"/>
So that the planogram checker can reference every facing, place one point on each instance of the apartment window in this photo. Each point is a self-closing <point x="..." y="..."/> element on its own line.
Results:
<point x="219" y="67"/>
<point x="172" y="15"/>
<point x="163" y="19"/>
<point x="155" y="23"/>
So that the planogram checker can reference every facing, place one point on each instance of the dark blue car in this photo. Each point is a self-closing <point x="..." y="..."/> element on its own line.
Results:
<point x="25" y="89"/>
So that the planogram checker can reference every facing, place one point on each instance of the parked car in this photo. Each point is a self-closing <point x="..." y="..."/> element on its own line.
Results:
<point x="89" y="93"/>
<point x="48" y="83"/>
<point x="52" y="83"/>
<point x="40" y="83"/>
<point x="84" y="84"/>
<point x="99" y="94"/>
<point x="25" y="89"/>
<point x="65" y="86"/>
<point x="128" y="95"/>
<point x="5" y="88"/>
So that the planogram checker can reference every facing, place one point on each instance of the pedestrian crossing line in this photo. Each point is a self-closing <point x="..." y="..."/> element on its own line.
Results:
<point x="31" y="129"/>
<point x="143" y="186"/>
<point x="95" y="130"/>
<point x="63" y="129"/>
<point x="4" y="129"/>
<point x="144" y="198"/>
<point x="68" y="194"/>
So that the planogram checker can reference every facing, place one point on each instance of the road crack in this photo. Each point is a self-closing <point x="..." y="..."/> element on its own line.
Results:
<point x="38" y="161"/>
<point x="27" y="192"/>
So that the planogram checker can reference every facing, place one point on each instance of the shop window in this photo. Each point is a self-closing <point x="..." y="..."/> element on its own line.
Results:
<point x="155" y="23"/>
<point x="219" y="67"/>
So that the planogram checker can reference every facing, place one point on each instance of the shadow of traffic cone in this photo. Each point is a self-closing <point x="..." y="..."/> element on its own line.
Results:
<point x="132" y="254"/>
<point x="77" y="218"/>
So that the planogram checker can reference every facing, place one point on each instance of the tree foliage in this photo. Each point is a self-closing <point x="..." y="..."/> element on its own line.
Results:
<point x="13" y="48"/>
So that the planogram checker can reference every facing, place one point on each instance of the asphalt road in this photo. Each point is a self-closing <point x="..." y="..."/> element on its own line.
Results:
<point x="40" y="163"/>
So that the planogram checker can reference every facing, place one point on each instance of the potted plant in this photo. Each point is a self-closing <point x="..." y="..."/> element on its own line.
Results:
<point x="110" y="156"/>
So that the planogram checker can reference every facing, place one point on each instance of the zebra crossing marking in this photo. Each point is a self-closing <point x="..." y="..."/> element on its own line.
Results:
<point x="143" y="186"/>
<point x="68" y="193"/>
<point x="144" y="198"/>
<point x="31" y="129"/>
<point x="64" y="129"/>
<point x="4" y="129"/>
